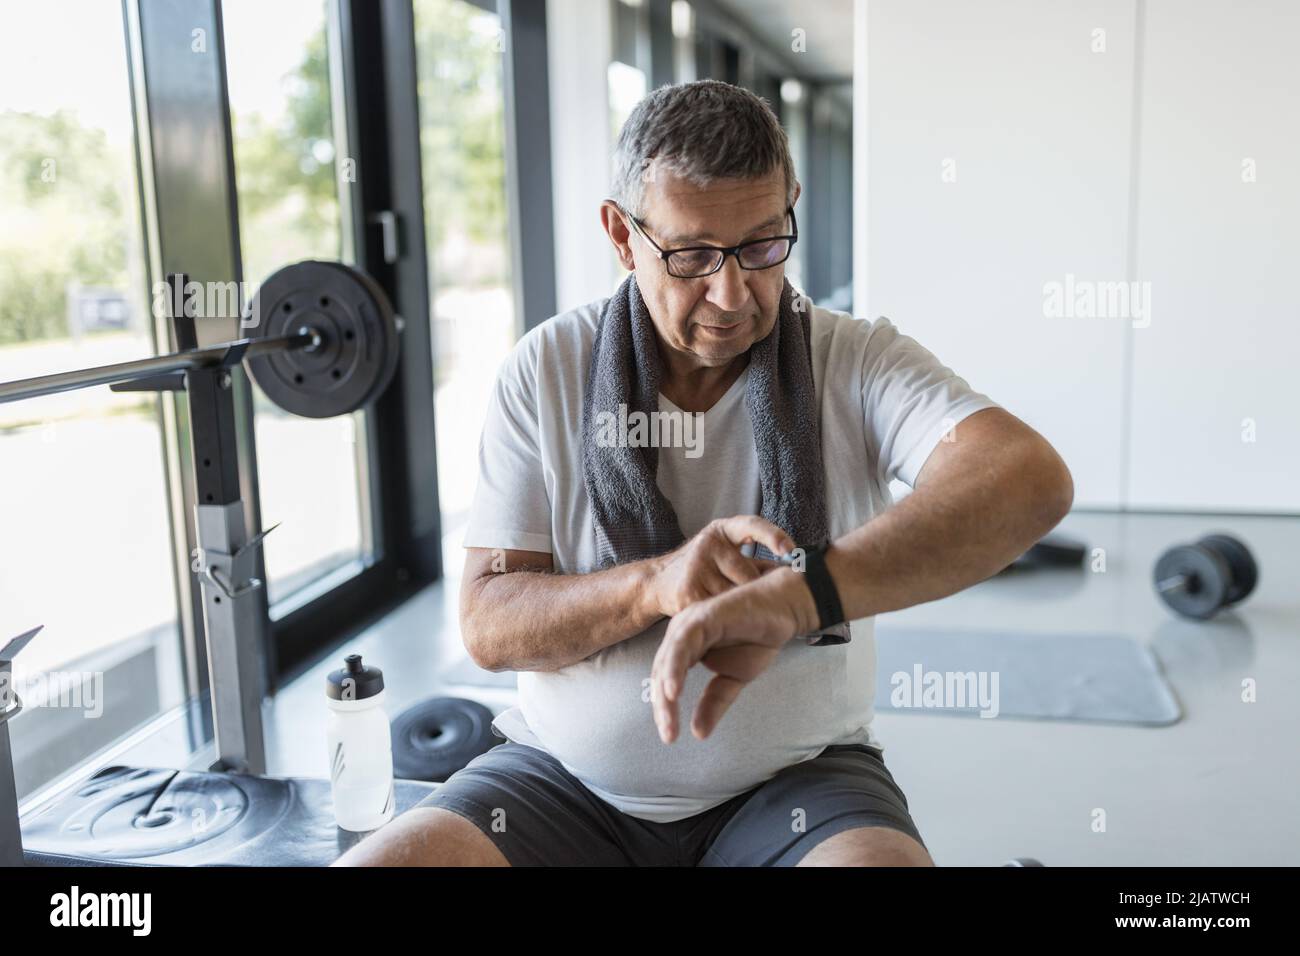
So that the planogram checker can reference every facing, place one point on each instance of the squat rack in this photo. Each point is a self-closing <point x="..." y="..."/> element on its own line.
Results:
<point x="354" y="331"/>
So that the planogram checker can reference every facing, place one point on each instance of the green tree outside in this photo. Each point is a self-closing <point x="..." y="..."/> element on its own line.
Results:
<point x="65" y="217"/>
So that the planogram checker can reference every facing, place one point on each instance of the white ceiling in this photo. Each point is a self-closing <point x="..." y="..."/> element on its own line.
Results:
<point x="827" y="26"/>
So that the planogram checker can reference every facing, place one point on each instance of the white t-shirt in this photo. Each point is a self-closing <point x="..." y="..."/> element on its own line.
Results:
<point x="885" y="402"/>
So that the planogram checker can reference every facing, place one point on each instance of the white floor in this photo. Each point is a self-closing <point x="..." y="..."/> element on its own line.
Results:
<point x="1220" y="787"/>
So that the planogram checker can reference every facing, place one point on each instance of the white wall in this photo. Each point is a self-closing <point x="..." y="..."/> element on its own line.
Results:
<point x="1009" y="144"/>
<point x="1221" y="88"/>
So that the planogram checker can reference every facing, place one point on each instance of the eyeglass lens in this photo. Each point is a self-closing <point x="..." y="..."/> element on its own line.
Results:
<point x="698" y="262"/>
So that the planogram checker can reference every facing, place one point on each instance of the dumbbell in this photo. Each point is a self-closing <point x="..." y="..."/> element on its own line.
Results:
<point x="1198" y="580"/>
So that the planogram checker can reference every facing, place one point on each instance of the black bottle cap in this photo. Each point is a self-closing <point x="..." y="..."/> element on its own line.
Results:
<point x="354" y="681"/>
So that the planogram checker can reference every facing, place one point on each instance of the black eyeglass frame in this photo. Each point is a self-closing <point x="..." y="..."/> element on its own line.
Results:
<point x="665" y="254"/>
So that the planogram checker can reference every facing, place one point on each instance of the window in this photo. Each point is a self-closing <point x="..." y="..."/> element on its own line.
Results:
<point x="683" y="25"/>
<point x="83" y="488"/>
<point x="311" y="473"/>
<point x="792" y="108"/>
<point x="462" y="138"/>
<point x="628" y="80"/>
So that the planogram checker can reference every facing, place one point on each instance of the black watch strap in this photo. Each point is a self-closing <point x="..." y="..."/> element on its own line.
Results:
<point x="831" y="624"/>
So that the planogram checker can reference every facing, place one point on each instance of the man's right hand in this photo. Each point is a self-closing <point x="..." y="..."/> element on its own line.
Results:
<point x="711" y="563"/>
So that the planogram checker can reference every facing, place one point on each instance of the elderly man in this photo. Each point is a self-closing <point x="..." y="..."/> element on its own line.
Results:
<point x="623" y="555"/>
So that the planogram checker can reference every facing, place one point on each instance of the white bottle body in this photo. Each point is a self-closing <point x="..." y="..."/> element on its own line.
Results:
<point x="360" y="753"/>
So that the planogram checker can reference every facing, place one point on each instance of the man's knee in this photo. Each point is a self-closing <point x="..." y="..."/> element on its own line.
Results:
<point x="868" y="846"/>
<point x="425" y="836"/>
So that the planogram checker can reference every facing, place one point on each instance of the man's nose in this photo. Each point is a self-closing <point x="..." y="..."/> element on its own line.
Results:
<point x="727" y="287"/>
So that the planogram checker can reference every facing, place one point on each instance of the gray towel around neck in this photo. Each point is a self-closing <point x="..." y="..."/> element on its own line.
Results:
<point x="633" y="519"/>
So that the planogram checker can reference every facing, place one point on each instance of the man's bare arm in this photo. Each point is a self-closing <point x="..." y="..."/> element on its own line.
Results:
<point x="980" y="501"/>
<point x="516" y="614"/>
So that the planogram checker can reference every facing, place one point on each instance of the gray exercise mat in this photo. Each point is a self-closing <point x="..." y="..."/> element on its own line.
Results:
<point x="1090" y="677"/>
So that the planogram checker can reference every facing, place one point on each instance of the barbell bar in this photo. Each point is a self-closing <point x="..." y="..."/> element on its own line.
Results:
<point x="212" y="356"/>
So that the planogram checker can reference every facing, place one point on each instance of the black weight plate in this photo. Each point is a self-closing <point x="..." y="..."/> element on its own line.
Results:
<point x="1209" y="577"/>
<point x="391" y="346"/>
<point x="1245" y="572"/>
<point x="359" y="339"/>
<point x="438" y="736"/>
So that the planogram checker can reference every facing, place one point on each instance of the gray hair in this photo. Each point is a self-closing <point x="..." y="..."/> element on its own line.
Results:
<point x="702" y="131"/>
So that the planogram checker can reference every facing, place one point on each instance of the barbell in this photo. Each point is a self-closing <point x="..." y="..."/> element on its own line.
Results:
<point x="324" y="341"/>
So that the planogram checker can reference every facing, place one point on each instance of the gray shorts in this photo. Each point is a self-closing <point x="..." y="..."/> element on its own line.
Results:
<point x="539" y="814"/>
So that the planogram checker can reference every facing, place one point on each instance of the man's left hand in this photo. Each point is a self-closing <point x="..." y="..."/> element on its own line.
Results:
<point x="736" y="635"/>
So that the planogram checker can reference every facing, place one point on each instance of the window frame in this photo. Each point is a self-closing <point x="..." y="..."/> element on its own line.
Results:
<point x="181" y="96"/>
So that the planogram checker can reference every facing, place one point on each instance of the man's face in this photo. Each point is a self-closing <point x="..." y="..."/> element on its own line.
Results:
<point x="715" y="318"/>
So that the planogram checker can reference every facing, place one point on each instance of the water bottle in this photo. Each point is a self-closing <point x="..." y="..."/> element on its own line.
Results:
<point x="360" y="746"/>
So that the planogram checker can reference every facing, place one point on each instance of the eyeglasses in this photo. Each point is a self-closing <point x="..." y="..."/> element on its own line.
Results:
<point x="695" y="262"/>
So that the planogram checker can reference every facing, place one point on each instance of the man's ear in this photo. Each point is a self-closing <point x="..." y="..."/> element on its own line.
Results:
<point x="798" y="189"/>
<point x="619" y="233"/>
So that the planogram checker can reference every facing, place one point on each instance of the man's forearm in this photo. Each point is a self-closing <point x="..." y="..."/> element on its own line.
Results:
<point x="961" y="527"/>
<point x="540" y="621"/>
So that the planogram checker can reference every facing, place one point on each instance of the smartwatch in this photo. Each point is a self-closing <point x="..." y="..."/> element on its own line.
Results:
<point x="832" y="628"/>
